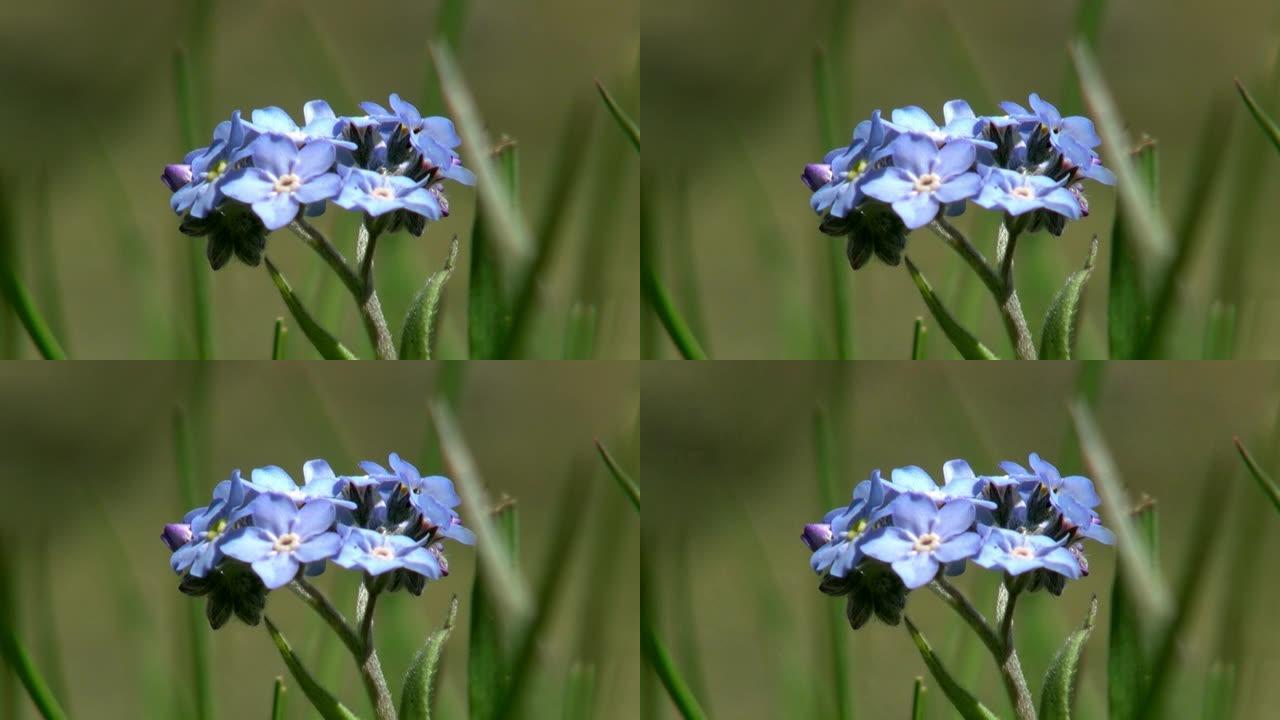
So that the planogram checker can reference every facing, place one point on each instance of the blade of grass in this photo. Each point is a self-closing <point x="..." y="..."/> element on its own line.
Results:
<point x="580" y="333"/>
<point x="655" y="293"/>
<point x="1129" y="649"/>
<point x="489" y="652"/>
<point x="417" y="338"/>
<point x="420" y="680"/>
<point x="685" y="261"/>
<point x="629" y="128"/>
<point x="964" y="703"/>
<point x="450" y="21"/>
<point x="1269" y="127"/>
<point x="838" y="638"/>
<point x="1220" y="692"/>
<point x="970" y="348"/>
<point x="1088" y="24"/>
<point x="488" y="305"/>
<point x="15" y="292"/>
<point x="277" y="700"/>
<point x="324" y="703"/>
<point x="1152" y="240"/>
<point x="838" y="278"/>
<point x="12" y="650"/>
<point x="917" y="700"/>
<point x="1127" y="307"/>
<point x="197" y="630"/>
<point x="197" y="272"/>
<point x="327" y="345"/>
<point x="623" y="479"/>
<point x="49" y="648"/>
<point x="659" y="658"/>
<point x="1219" y="332"/>
<point x="918" y="339"/>
<point x="579" y="692"/>
<point x="1265" y="483"/>
<point x="46" y="259"/>
<point x="277" y="339"/>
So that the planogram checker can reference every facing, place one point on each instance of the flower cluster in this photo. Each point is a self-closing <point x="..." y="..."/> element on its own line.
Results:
<point x="260" y="534"/>
<point x="900" y="534"/>
<point x="900" y="174"/>
<point x="258" y="175"/>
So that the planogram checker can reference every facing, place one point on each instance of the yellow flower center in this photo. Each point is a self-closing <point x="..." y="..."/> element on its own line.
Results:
<point x="213" y="532"/>
<point x="856" y="170"/>
<point x="214" y="172"/>
<point x="853" y="532"/>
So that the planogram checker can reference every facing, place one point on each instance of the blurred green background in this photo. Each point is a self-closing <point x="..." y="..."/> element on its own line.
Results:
<point x="729" y="462"/>
<point x="89" y="480"/>
<point x="730" y="96"/>
<point x="93" y="121"/>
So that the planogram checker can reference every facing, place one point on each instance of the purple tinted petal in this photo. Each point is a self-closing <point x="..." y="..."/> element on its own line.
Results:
<point x="274" y="154"/>
<point x="374" y="468"/>
<point x="274" y="513"/>
<point x="891" y="545"/>
<point x="313" y="470"/>
<point x="955" y="110"/>
<point x="953" y="518"/>
<point x="1061" y="561"/>
<point x="320" y="547"/>
<point x="314" y="518"/>
<point x="422" y="562"/>
<point x="249" y="545"/>
<point x="402" y="468"/>
<point x="442" y="131"/>
<point x="914" y="154"/>
<point x="917" y="211"/>
<point x="1081" y="488"/>
<point x="278" y="211"/>
<point x="317" y="110"/>
<point x="276" y="571"/>
<point x="1081" y="130"/>
<point x="953" y="470"/>
<point x="955" y="158"/>
<point x="322" y="187"/>
<point x="441" y="488"/>
<point x="405" y="110"/>
<point x="914" y="514"/>
<point x="913" y="477"/>
<point x="961" y="547"/>
<point x="917" y="570"/>
<point x="273" y="119"/>
<point x="1047" y="112"/>
<point x="315" y="158"/>
<point x="913" y="117"/>
<point x="249" y="185"/>
<point x="958" y="188"/>
<point x="1045" y="470"/>
<point x="892" y="186"/>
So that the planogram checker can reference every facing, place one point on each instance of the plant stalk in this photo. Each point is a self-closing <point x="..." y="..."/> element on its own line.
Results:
<point x="1000" y="646"/>
<point x="370" y="667"/>
<point x="999" y="283"/>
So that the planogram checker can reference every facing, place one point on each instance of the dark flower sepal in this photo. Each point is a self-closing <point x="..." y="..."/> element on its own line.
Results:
<point x="231" y="589"/>
<point x="232" y="229"/>
<point x="873" y="588"/>
<point x="872" y="229"/>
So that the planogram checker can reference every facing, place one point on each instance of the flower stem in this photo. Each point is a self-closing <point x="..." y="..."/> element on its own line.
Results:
<point x="370" y="667"/>
<point x="325" y="609"/>
<point x="1000" y="645"/>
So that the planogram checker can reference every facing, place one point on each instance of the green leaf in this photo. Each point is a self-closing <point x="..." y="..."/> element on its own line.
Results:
<point x="277" y="700"/>
<point x="324" y="703"/>
<point x="624" y="122"/>
<point x="489" y="655"/>
<point x="964" y="703"/>
<point x="1128" y="312"/>
<point x="655" y="292"/>
<point x="624" y="481"/>
<point x="1219" y="332"/>
<point x="1060" y="679"/>
<point x="659" y="657"/>
<point x="419" y="681"/>
<point x="917" y="700"/>
<point x="277" y="339"/>
<point x="838" y="278"/>
<point x="1220" y="691"/>
<point x="1057" y="337"/>
<point x="15" y="654"/>
<point x="836" y="633"/>
<point x="488" y="306"/>
<point x="579" y="692"/>
<point x="918" y="337"/>
<point x="1128" y="651"/>
<point x="419" y="332"/>
<point x="197" y="275"/>
<point x="324" y="343"/>
<point x="1153" y="245"/>
<point x="1089" y="14"/>
<point x="969" y="346"/>
<point x="1269" y="127"/>
<point x="15" y="292"/>
<point x="197" y="627"/>
<point x="1265" y="483"/>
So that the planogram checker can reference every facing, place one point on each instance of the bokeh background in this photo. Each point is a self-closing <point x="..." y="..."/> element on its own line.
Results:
<point x="100" y="248"/>
<point x="730" y="103"/>
<point x="731" y="480"/>
<point x="89" y="479"/>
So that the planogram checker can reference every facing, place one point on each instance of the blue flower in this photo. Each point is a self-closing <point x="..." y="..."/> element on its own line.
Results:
<point x="208" y="529"/>
<point x="1073" y="136"/>
<point x="1077" y="487"/>
<point x="1017" y="193"/>
<point x="432" y="496"/>
<point x="210" y="168"/>
<point x="321" y="124"/>
<point x="849" y="169"/>
<point x="284" y="178"/>
<point x="319" y="483"/>
<point x="924" y="537"/>
<point x="847" y="529"/>
<point x="960" y="483"/>
<point x="1016" y="553"/>
<point x="377" y="553"/>
<point x="923" y="178"/>
<point x="377" y="194"/>
<point x="960" y="123"/>
<point x="283" y="538"/>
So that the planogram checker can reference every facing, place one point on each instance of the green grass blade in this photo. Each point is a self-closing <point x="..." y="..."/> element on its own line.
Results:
<point x="46" y="259"/>
<point x="1056" y="698"/>
<point x="684" y="261"/>
<point x="580" y="332"/>
<point x="1088" y="24"/>
<point x="839" y="279"/>
<point x="197" y="629"/>
<point x="964" y="703"/>
<point x="417" y="338"/>
<point x="917" y="700"/>
<point x="624" y="121"/>
<point x="579" y="692"/>
<point x="623" y="479"/>
<point x="964" y="341"/>
<point x="1057" y="337"/>
<point x="12" y="650"/>
<point x="1153" y="245"/>
<point x="509" y="586"/>
<point x="918" y="336"/>
<point x="488" y="306"/>
<point x="837" y="634"/>
<point x="1219" y="332"/>
<point x="15" y="292"/>
<point x="197" y="267"/>
<point x="488" y="656"/>
<point x="1127" y="306"/>
<point x="324" y="703"/>
<point x="659" y="657"/>
<point x="655" y="292"/>
<point x="420" y="680"/>
<point x="498" y="200"/>
<point x="1220" y="692"/>
<point x="1128" y="649"/>
<point x="1265" y="483"/>
<point x="277" y="700"/>
<point x="1269" y="127"/>
<point x="278" y="336"/>
<point x="327" y="345"/>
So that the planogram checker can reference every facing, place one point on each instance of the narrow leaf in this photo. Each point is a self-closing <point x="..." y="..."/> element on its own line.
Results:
<point x="968" y="346"/>
<point x="1128" y="649"/>
<point x="1265" y="483"/>
<point x="580" y="332"/>
<point x="324" y="703"/>
<point x="838" y="278"/>
<point x="197" y="627"/>
<point x="197" y="273"/>
<point x="1056" y="698"/>
<point x="659" y="657"/>
<point x="13" y="652"/>
<point x="324" y="343"/>
<point x="964" y="703"/>
<point x="488" y="303"/>
<point x="277" y="700"/>
<point x="917" y="700"/>
<point x="15" y="292"/>
<point x="624" y="481"/>
<point x="1128" y="309"/>
<point x="1269" y="127"/>
<point x="419" y="681"/>
<point x="624" y="122"/>
<point x="1057" y="338"/>
<point x="1220" y="692"/>
<point x="1219" y="332"/>
<point x="837" y="634"/>
<point x="917" y="340"/>
<point x="655" y="292"/>
<point x="488" y="652"/>
<point x="417" y="338"/>
<point x="1089" y="14"/>
<point x="580" y="692"/>
<point x="277" y="339"/>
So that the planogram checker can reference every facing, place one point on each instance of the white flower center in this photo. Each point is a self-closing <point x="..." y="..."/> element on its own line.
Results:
<point x="1023" y="551"/>
<point x="287" y="543"/>
<point x="928" y="183"/>
<point x="288" y="183"/>
<point x="383" y="193"/>
<point x="927" y="543"/>
<point x="1024" y="192"/>
<point x="383" y="552"/>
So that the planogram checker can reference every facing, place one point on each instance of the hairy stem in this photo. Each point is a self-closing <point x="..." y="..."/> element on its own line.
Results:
<point x="370" y="307"/>
<point x="370" y="667"/>
<point x="330" y="254"/>
<point x="325" y="609"/>
<point x="999" y="644"/>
